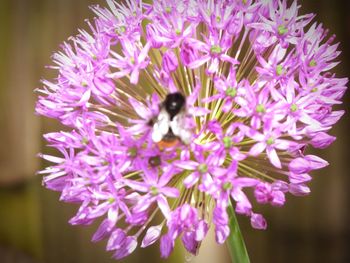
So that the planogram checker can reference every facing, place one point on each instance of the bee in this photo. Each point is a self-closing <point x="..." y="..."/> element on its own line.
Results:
<point x="171" y="126"/>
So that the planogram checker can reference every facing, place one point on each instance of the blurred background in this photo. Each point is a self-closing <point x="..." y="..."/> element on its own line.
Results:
<point x="33" y="223"/>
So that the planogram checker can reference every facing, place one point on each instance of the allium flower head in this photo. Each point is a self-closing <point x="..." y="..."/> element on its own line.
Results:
<point x="258" y="92"/>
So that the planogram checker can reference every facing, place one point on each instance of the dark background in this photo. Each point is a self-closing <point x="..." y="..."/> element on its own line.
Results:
<point x="33" y="223"/>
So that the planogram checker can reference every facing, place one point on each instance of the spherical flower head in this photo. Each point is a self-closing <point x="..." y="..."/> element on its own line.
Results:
<point x="174" y="109"/>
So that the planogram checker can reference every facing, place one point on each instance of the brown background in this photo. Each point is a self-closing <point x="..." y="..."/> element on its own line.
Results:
<point x="33" y="223"/>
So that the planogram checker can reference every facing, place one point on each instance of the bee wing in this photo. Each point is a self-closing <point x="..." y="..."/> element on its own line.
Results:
<point x="161" y="126"/>
<point x="181" y="129"/>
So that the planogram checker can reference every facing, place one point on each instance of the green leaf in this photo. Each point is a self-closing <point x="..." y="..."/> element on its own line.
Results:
<point x="235" y="242"/>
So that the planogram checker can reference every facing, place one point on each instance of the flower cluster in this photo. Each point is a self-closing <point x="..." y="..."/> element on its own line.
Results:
<point x="258" y="88"/>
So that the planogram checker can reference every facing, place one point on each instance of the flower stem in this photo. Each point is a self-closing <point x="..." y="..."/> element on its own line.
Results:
<point x="235" y="242"/>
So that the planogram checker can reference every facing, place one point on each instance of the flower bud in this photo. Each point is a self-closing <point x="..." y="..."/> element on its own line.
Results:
<point x="278" y="198"/>
<point x="307" y="163"/>
<point x="258" y="221"/>
<point x="187" y="54"/>
<point x="151" y="36"/>
<point x="243" y="208"/>
<point x="322" y="140"/>
<point x="166" y="246"/>
<point x="103" y="230"/>
<point x="299" y="178"/>
<point x="116" y="240"/>
<point x="299" y="189"/>
<point x="129" y="247"/>
<point x="262" y="193"/>
<point x="316" y="162"/>
<point x="170" y="62"/>
<point x="221" y="233"/>
<point x="152" y="235"/>
<point x="299" y="165"/>
<point x="201" y="230"/>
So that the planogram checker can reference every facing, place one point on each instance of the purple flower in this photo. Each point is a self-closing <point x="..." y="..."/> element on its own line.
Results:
<point x="269" y="193"/>
<point x="133" y="60"/>
<point x="257" y="88"/>
<point x="283" y="23"/>
<point x="228" y="90"/>
<point x="201" y="169"/>
<point x="214" y="48"/>
<point x="155" y="190"/>
<point x="270" y="142"/>
<point x="184" y="220"/>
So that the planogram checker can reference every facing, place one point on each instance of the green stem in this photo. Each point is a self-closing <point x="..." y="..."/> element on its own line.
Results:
<point x="235" y="242"/>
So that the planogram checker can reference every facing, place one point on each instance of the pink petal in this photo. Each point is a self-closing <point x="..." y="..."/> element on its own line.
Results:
<point x="273" y="157"/>
<point x="138" y="186"/>
<point x="164" y="206"/>
<point x="187" y="165"/>
<point x="51" y="158"/>
<point x="191" y="179"/>
<point x="134" y="78"/>
<point x="170" y="192"/>
<point x="257" y="148"/>
<point x="140" y="109"/>
<point x="198" y="62"/>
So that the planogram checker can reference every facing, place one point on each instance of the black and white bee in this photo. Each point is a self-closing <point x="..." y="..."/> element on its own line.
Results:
<point x="171" y="125"/>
